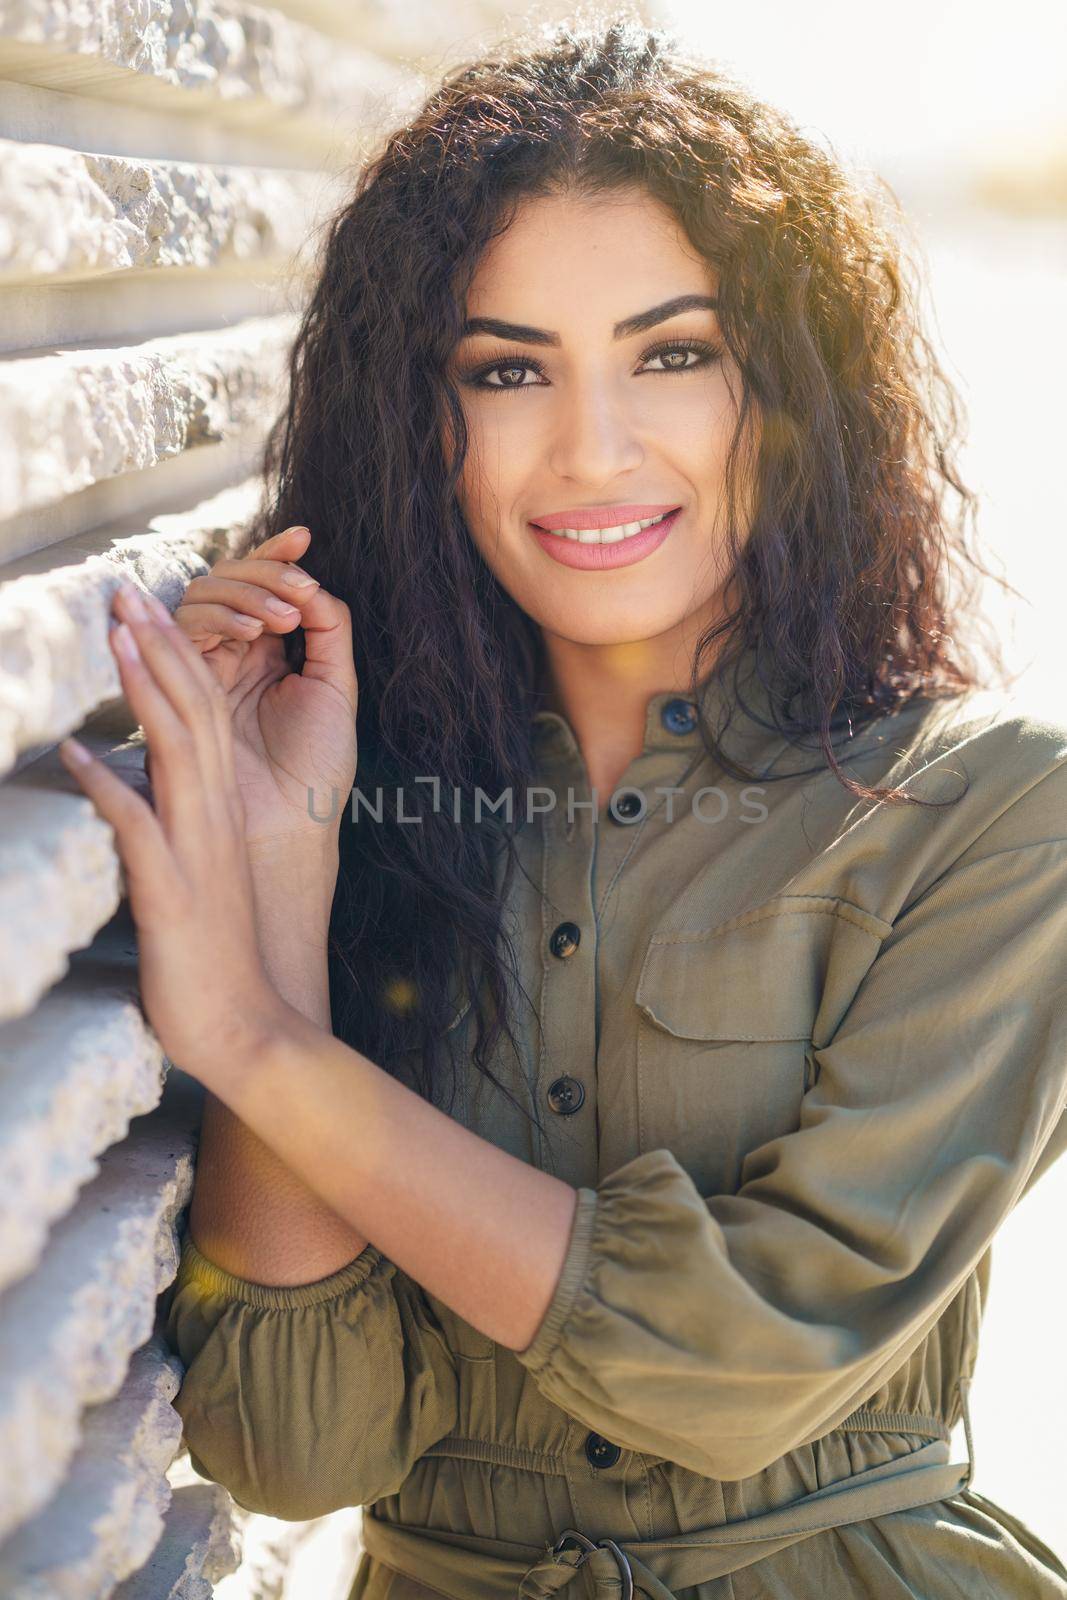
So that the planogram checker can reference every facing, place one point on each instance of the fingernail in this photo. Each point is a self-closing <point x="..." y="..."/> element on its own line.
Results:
<point x="250" y="622"/>
<point x="280" y="608"/>
<point x="125" y="643"/>
<point x="299" y="580"/>
<point x="75" y="751"/>
<point x="134" y="601"/>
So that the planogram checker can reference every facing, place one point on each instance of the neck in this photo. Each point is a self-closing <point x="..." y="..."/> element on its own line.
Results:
<point x="602" y="690"/>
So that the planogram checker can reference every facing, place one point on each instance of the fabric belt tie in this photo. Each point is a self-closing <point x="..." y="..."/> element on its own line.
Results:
<point x="468" y="1567"/>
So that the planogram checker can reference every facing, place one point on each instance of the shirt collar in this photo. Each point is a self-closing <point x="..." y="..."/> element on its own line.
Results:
<point x="737" y="696"/>
<point x="740" y="702"/>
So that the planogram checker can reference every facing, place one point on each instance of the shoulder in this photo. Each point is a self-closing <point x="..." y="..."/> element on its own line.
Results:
<point x="995" y="760"/>
<point x="1006" y="739"/>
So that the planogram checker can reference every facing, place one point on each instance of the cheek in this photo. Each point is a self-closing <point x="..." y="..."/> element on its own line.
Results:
<point x="502" y="446"/>
<point x="691" y="425"/>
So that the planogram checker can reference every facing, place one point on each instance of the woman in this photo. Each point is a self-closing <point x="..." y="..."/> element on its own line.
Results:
<point x="606" y="1183"/>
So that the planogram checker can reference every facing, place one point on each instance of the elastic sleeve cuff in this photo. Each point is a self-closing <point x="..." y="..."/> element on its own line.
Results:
<point x="572" y="1276"/>
<point x="196" y="1269"/>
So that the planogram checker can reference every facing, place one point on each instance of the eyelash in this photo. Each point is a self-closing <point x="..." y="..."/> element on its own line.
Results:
<point x="475" y="378"/>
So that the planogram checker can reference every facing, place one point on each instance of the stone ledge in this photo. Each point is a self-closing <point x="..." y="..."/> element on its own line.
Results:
<point x="199" y="1547"/>
<point x="72" y="1076"/>
<point x="418" y="32"/>
<point x="56" y="666"/>
<point x="246" y="59"/>
<point x="107" y="1516"/>
<point x="76" y="417"/>
<point x="404" y="30"/>
<point x="59" y="882"/>
<point x="64" y="214"/>
<point x="69" y="1329"/>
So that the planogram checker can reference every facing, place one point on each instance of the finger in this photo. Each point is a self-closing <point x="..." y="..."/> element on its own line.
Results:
<point x="328" y="643"/>
<point x="258" y="589"/>
<point x="201" y="623"/>
<point x="285" y="543"/>
<point x="139" y="837"/>
<point x="219" y="703"/>
<point x="176" y="699"/>
<point x="284" y="578"/>
<point x="220" y="707"/>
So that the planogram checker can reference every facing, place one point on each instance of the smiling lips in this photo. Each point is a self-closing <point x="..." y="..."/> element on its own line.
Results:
<point x="601" y="537"/>
<point x="622" y="521"/>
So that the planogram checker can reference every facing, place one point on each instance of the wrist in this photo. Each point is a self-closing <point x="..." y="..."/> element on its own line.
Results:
<point x="294" y="877"/>
<point x="272" y="1033"/>
<point x="261" y="1022"/>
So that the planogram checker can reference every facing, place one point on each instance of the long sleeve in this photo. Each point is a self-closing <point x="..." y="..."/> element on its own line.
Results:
<point x="304" y="1399"/>
<point x="722" y="1331"/>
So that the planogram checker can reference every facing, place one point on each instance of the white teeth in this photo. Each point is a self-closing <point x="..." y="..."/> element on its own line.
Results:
<point x="622" y="530"/>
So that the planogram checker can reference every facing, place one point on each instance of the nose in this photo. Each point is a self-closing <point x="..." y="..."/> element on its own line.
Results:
<point x="594" y="441"/>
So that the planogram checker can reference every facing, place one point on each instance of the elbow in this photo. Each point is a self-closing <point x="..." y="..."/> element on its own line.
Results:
<point x="298" y="1473"/>
<point x="272" y="1494"/>
<point x="272" y="1488"/>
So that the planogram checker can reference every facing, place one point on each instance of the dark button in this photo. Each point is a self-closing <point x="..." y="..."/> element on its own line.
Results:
<point x="679" y="716"/>
<point x="565" y="1096"/>
<point x="627" y="805"/>
<point x="565" y="939"/>
<point x="600" y="1452"/>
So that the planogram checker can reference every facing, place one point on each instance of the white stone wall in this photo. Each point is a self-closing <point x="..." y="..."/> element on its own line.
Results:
<point x="163" y="166"/>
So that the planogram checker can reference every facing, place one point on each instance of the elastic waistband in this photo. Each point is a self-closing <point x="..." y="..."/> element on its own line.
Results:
<point x="467" y="1567"/>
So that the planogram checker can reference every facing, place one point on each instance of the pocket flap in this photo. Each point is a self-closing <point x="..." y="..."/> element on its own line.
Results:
<point x="786" y="970"/>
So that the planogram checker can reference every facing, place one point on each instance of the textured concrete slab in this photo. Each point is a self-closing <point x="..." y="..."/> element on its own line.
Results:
<point x="59" y="883"/>
<point x="238" y="58"/>
<point x="76" y="417"/>
<point x="72" y="1076"/>
<point x="200" y="1545"/>
<point x="67" y="1331"/>
<point x="56" y="666"/>
<point x="106" y="1517"/>
<point x="67" y="215"/>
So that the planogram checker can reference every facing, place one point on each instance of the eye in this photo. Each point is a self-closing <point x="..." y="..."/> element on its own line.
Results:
<point x="676" y="355"/>
<point x="510" y="369"/>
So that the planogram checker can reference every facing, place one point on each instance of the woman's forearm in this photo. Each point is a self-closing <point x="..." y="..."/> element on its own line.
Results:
<point x="250" y="1213"/>
<point x="481" y="1230"/>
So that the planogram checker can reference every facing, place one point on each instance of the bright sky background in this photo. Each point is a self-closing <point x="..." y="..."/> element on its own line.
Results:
<point x="915" y="86"/>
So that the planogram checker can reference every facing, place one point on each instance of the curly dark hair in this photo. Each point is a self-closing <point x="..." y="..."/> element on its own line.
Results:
<point x="843" y="578"/>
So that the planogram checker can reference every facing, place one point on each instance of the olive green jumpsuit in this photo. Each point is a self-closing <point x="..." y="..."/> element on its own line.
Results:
<point x="800" y="1054"/>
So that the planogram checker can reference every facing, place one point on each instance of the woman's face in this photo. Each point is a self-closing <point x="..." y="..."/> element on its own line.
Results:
<point x="578" y="417"/>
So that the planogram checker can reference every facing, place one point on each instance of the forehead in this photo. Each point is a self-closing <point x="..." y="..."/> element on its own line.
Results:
<point x="570" y="261"/>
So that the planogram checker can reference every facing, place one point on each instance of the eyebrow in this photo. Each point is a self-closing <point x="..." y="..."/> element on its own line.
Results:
<point x="622" y="330"/>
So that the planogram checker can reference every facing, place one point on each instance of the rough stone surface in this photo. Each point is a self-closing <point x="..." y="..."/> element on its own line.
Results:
<point x="238" y="52"/>
<point x="59" y="883"/>
<point x="56" y="666"/>
<point x="200" y="1546"/>
<point x="76" y="417"/>
<point x="72" y="1076"/>
<point x="68" y="1329"/>
<point x="107" y="1516"/>
<point x="243" y="55"/>
<point x="312" y="1560"/>
<point x="417" y="31"/>
<point x="66" y="214"/>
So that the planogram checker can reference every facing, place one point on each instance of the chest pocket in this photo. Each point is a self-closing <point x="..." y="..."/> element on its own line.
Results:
<point x="728" y="1021"/>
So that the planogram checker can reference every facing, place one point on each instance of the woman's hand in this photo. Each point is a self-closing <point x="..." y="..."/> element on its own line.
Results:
<point x="202" y="979"/>
<point x="294" y="733"/>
